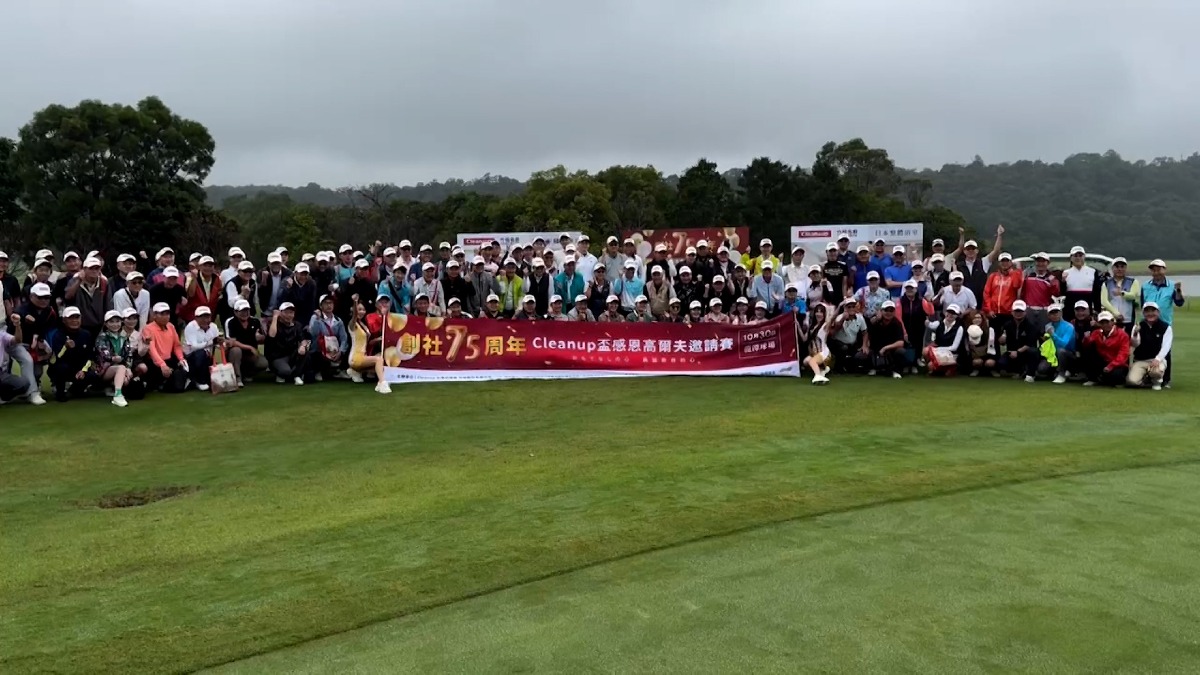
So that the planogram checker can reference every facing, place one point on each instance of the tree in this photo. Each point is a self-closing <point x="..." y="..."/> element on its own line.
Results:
<point x="866" y="170"/>
<point x="110" y="176"/>
<point x="774" y="197"/>
<point x="17" y="238"/>
<point x="557" y="200"/>
<point x="640" y="198"/>
<point x="704" y="197"/>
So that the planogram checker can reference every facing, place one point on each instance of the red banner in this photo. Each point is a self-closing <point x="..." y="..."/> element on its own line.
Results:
<point x="435" y="349"/>
<point x="677" y="241"/>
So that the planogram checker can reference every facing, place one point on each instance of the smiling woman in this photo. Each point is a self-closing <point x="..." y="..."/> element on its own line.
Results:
<point x="287" y="541"/>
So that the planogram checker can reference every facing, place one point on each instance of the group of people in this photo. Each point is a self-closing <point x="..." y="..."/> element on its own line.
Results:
<point x="153" y="324"/>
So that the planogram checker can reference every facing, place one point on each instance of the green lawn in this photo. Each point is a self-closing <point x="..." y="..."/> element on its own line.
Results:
<point x="327" y="509"/>
<point x="1174" y="267"/>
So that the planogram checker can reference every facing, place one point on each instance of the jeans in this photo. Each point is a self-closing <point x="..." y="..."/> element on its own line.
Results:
<point x="1024" y="364"/>
<point x="30" y="372"/>
<point x="198" y="364"/>
<point x="1066" y="360"/>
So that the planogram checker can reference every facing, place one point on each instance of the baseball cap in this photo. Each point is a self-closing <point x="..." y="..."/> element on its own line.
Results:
<point x="703" y="243"/>
<point x="477" y="260"/>
<point x="128" y="312"/>
<point x="662" y="248"/>
<point x="492" y="297"/>
<point x="112" y="314"/>
<point x="203" y="310"/>
<point x="399" y="266"/>
<point x="611" y="298"/>
<point x="843" y="237"/>
<point x="1105" y="316"/>
<point x="764" y="242"/>
<point x="1041" y="255"/>
<point x="568" y="259"/>
<point x="937" y="257"/>
<point x="166" y="250"/>
<point x="564" y="235"/>
<point x="656" y="270"/>
<point x="274" y="257"/>
<point x="171" y="272"/>
<point x="695" y="304"/>
<point x="1158" y="262"/>
<point x="863" y="248"/>
<point x="1150" y="305"/>
<point x="206" y="260"/>
<point x="70" y="312"/>
<point x="1081" y="304"/>
<point x="44" y="253"/>
<point x="345" y="248"/>
<point x="640" y="298"/>
<point x="234" y="250"/>
<point x="404" y="243"/>
<point x="538" y="262"/>
<point x="872" y="274"/>
<point x="126" y="257"/>
<point x="911" y="283"/>
<point x="793" y="287"/>
<point x="939" y="242"/>
<point x="1019" y="306"/>
<point x="134" y="276"/>
<point x="428" y="266"/>
<point x="898" y="248"/>
<point x="245" y="265"/>
<point x="70" y="254"/>
<point x="599" y="267"/>
<point x="714" y="302"/>
<point x="1005" y="256"/>
<point x="917" y="263"/>
<point x="288" y="305"/>
<point x="814" y="268"/>
<point x="630" y="265"/>
<point x="443" y="246"/>
<point x="426" y="247"/>
<point x="831" y="246"/>
<point x="971" y="244"/>
<point x="360" y="264"/>
<point x="956" y="275"/>
<point x="93" y="262"/>
<point x="612" y="240"/>
<point x="1077" y="249"/>
<point x="241" y="305"/>
<point x="741" y="301"/>
<point x="1054" y="307"/>
<point x="584" y="237"/>
<point x="160" y="307"/>
<point x="1119" y="260"/>
<point x="555" y="298"/>
<point x="768" y="265"/>
<point x="761" y="304"/>
<point x="528" y="298"/>
<point x="510" y="261"/>
<point x="879" y="240"/>
<point x="41" y="290"/>
<point x="389" y="251"/>
<point x="302" y="268"/>
<point x="954" y="308"/>
<point x="580" y="298"/>
<point x="451" y="301"/>
<point x="684" y="269"/>
<point x="691" y="250"/>
<point x="418" y="296"/>
<point x="888" y="304"/>
<point x="719" y="279"/>
<point x="194" y="256"/>
<point x="674" y="301"/>
<point x="723" y="249"/>
<point x="452" y="263"/>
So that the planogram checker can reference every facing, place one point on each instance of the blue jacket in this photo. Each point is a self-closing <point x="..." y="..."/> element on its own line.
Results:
<point x="1064" y="335"/>
<point x="798" y="306"/>
<point x="766" y="291"/>
<point x="401" y="297"/>
<point x="317" y="328"/>
<point x="1164" y="296"/>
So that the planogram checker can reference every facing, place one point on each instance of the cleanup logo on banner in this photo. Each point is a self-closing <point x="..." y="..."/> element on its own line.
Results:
<point x="434" y="349"/>
<point x="814" y="238"/>
<point x="472" y="242"/>
<point x="677" y="241"/>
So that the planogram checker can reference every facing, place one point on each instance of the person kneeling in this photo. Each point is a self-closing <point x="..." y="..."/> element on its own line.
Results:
<point x="243" y="335"/>
<point x="885" y="341"/>
<point x="71" y="373"/>
<point x="199" y="338"/>
<point x="114" y="356"/>
<point x="288" y="347"/>
<point x="170" y="372"/>
<point x="1108" y="353"/>
<point x="1152" y="340"/>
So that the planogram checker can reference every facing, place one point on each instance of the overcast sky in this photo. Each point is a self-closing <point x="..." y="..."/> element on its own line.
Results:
<point x="351" y="91"/>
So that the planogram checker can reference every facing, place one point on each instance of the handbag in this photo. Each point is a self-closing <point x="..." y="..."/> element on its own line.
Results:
<point x="939" y="357"/>
<point x="221" y="376"/>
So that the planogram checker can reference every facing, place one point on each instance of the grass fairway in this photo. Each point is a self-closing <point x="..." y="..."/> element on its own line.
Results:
<point x="327" y="509"/>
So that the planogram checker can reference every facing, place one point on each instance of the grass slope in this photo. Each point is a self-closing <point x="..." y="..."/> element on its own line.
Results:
<point x="1084" y="574"/>
<point x="327" y="508"/>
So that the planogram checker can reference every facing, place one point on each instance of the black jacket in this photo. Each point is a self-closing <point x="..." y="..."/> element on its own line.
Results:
<point x="303" y="296"/>
<point x="1018" y="334"/>
<point x="364" y="288"/>
<point x="286" y="341"/>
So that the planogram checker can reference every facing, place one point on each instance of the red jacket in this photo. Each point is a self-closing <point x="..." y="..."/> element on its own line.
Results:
<point x="1002" y="289"/>
<point x="196" y="297"/>
<point x="1113" y="349"/>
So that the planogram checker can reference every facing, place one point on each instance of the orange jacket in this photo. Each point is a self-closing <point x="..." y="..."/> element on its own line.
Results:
<point x="164" y="343"/>
<point x="1002" y="289"/>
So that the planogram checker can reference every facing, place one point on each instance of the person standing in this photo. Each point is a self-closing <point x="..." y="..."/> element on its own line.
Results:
<point x="974" y="268"/>
<point x="768" y="287"/>
<point x="1082" y="280"/>
<point x="1038" y="290"/>
<point x="898" y="272"/>
<point x="837" y="273"/>
<point x="1003" y="288"/>
<point x="1119" y="295"/>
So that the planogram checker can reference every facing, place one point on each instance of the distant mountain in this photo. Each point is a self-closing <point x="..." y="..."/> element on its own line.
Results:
<point x="313" y="193"/>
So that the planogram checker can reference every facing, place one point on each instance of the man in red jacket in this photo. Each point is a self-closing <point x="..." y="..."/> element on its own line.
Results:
<point x="1002" y="289"/>
<point x="1109" y="362"/>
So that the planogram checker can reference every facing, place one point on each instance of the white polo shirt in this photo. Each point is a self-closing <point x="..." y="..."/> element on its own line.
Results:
<point x="1079" y="280"/>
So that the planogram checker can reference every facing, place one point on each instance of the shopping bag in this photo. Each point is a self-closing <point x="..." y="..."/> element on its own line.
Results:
<point x="939" y="357"/>
<point x="331" y="348"/>
<point x="220" y="375"/>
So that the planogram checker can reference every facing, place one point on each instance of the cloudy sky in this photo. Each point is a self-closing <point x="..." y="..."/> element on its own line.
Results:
<point x="351" y="91"/>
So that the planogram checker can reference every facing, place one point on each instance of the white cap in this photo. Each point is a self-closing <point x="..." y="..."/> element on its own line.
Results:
<point x="444" y="244"/>
<point x="917" y="263"/>
<point x="241" y="304"/>
<point x="1019" y="305"/>
<point x="274" y="257"/>
<point x="792" y="287"/>
<point x="814" y="268"/>
<point x="761" y="304"/>
<point x="308" y="256"/>
<point x="936" y="258"/>
<point x="1005" y="256"/>
<point x="1077" y="249"/>
<point x="160" y="307"/>
<point x="640" y="298"/>
<point x="580" y="298"/>
<point x="322" y="256"/>
<point x="509" y="261"/>
<point x="288" y="305"/>
<point x="528" y="298"/>
<point x="656" y="270"/>
<point x="970" y="243"/>
<point x="695" y="304"/>
<point x="843" y="235"/>
<point x="939" y="242"/>
<point x="128" y="312"/>
<point x="126" y="257"/>
<point x="555" y="298"/>
<point x="171" y="272"/>
<point x="714" y="302"/>
<point x="70" y="312"/>
<point x="718" y="278"/>
<point x="112" y="314"/>
<point x="492" y="297"/>
<point x="458" y="251"/>
<point x="741" y="301"/>
<point x="1054" y="307"/>
<point x="1119" y="259"/>
<point x="538" y="261"/>
<point x="1105" y="316"/>
<point x="564" y="235"/>
<point x="404" y="243"/>
<point x="684" y="269"/>
<point x="764" y="242"/>
<point x="166" y="250"/>
<point x="44" y="253"/>
<point x="703" y="243"/>
<point x="477" y="260"/>
<point x="612" y="240"/>
<point x="428" y="266"/>
<point x="628" y="240"/>
<point x="451" y="301"/>
<point x="911" y="283"/>
<point x="954" y="308"/>
<point x="599" y="267"/>
<point x="345" y="248"/>
<point x="661" y="248"/>
<point x="418" y="296"/>
<point x="281" y="249"/>
<point x="452" y="263"/>
<point x="70" y="254"/>
<point x="1041" y="255"/>
<point x="399" y="266"/>
<point x="584" y="237"/>
<point x="800" y="249"/>
<point x="691" y="250"/>
<point x="630" y="265"/>
<point x="1150" y="305"/>
<point x="1082" y="304"/>
<point x="234" y="250"/>
<point x="360" y="264"/>
<point x="872" y="274"/>
<point x="389" y="251"/>
<point x="898" y="248"/>
<point x="41" y="290"/>
<point x="611" y="298"/>
<point x="302" y="268"/>
<point x="888" y="304"/>
<point x="863" y="248"/>
<point x="246" y="265"/>
<point x="358" y="254"/>
<point x="956" y="275"/>
<point x="568" y="259"/>
<point x="1158" y="262"/>
<point x="206" y="259"/>
<point x="723" y="249"/>
<point x="93" y="262"/>
<point x="203" y="310"/>
<point x="831" y="246"/>
<point x="675" y="301"/>
<point x="426" y="247"/>
<point x="194" y="256"/>
<point x="768" y="265"/>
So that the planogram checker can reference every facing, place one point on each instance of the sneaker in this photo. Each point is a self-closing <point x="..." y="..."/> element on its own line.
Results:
<point x="202" y="387"/>
<point x="871" y="373"/>
<point x="341" y="375"/>
<point x="974" y="373"/>
<point x="280" y="380"/>
<point x="1167" y="385"/>
<point x="36" y="399"/>
<point x="119" y="401"/>
<point x="1060" y="380"/>
<point x="383" y="388"/>
<point x="319" y="378"/>
<point x="1029" y="379"/>
<point x="241" y="385"/>
<point x="995" y="374"/>
<point x="816" y="379"/>
<point x="299" y="381"/>
<point x="1089" y="383"/>
<point x="355" y="376"/>
<point x="1157" y="387"/>
<point x="109" y="392"/>
<point x="913" y="371"/>
<point x="897" y="376"/>
<point x="825" y="372"/>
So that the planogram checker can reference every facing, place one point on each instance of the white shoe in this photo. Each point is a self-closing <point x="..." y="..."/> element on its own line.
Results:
<point x="202" y="387"/>
<point x="871" y="373"/>
<point x="383" y="388"/>
<point x="36" y="399"/>
<point x="974" y="373"/>
<point x="241" y="385"/>
<point x="897" y="376"/>
<point x="319" y="378"/>
<point x="816" y="379"/>
<point x="1029" y="379"/>
<point x="1060" y="380"/>
<point x="341" y="375"/>
<point x="1157" y="387"/>
<point x="280" y="380"/>
<point x="355" y="376"/>
<point x="1089" y="383"/>
<point x="119" y="401"/>
<point x="299" y="381"/>
<point x="1167" y="385"/>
